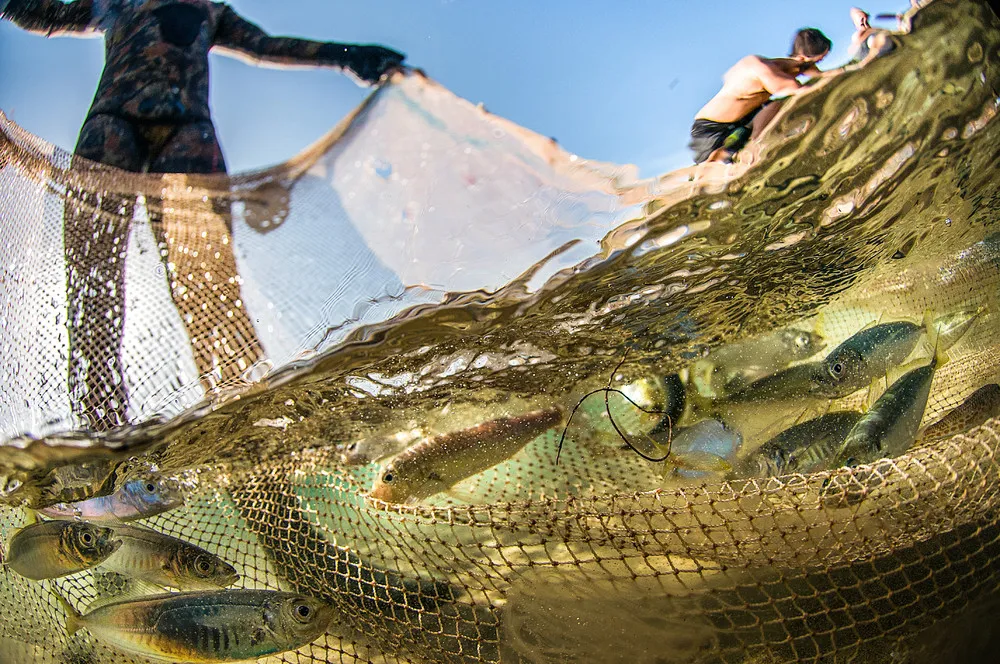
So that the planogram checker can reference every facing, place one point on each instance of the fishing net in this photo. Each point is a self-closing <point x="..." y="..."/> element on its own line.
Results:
<point x="431" y="266"/>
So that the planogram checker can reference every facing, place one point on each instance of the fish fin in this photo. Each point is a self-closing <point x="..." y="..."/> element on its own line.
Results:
<point x="957" y="332"/>
<point x="30" y="517"/>
<point x="463" y="492"/>
<point x="935" y="347"/>
<point x="73" y="617"/>
<point x="892" y="374"/>
<point x="875" y="390"/>
<point x="805" y="414"/>
<point x="112" y="520"/>
<point x="141" y="588"/>
<point x="931" y="329"/>
<point x="136" y="589"/>
<point x="940" y="357"/>
<point x="819" y="323"/>
<point x="655" y="444"/>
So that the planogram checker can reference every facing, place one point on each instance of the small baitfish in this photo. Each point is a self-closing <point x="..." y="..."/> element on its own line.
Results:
<point x="137" y="499"/>
<point x="375" y="448"/>
<point x="890" y="426"/>
<point x="981" y="405"/>
<point x="732" y="367"/>
<point x="167" y="561"/>
<point x="849" y="367"/>
<point x="437" y="463"/>
<point x="704" y="449"/>
<point x="208" y="626"/>
<point x="51" y="549"/>
<point x="804" y="448"/>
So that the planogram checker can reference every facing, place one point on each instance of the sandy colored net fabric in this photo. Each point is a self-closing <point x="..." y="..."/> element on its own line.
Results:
<point x="431" y="266"/>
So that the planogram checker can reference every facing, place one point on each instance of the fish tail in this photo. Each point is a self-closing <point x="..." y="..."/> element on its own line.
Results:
<point x="939" y="355"/>
<point x="73" y="618"/>
<point x="930" y="326"/>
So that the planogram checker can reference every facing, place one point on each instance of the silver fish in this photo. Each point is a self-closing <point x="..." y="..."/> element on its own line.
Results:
<point x="209" y="626"/>
<point x="437" y="463"/>
<point x="703" y="449"/>
<point x="51" y="549"/>
<point x="730" y="368"/>
<point x="804" y="448"/>
<point x="849" y="367"/>
<point x="890" y="425"/>
<point x="167" y="561"/>
<point x="375" y="448"/>
<point x="137" y="499"/>
<point x="981" y="405"/>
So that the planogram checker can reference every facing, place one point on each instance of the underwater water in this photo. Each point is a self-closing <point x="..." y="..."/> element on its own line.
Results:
<point x="506" y="278"/>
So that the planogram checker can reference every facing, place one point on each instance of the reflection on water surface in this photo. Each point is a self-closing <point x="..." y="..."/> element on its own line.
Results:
<point x="430" y="267"/>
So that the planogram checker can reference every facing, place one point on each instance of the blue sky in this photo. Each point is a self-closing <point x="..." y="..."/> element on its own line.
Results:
<point x="611" y="80"/>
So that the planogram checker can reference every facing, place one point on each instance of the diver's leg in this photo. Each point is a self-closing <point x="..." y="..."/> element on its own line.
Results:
<point x="196" y="237"/>
<point x="112" y="141"/>
<point x="192" y="148"/>
<point x="96" y="227"/>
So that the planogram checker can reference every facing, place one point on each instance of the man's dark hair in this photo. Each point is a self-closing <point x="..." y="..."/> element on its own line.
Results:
<point x="810" y="42"/>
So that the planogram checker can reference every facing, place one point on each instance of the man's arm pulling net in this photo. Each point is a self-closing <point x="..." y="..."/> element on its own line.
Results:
<point x="246" y="40"/>
<point x="49" y="17"/>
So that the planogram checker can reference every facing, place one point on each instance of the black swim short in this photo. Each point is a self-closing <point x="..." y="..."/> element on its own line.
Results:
<point x="707" y="136"/>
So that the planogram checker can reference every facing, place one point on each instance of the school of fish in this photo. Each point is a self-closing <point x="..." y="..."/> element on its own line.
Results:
<point x="180" y="607"/>
<point x="761" y="407"/>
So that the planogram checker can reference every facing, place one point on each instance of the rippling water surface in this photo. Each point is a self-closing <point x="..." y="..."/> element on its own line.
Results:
<point x="873" y="198"/>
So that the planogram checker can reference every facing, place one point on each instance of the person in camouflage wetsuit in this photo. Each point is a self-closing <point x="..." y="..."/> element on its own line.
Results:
<point x="151" y="114"/>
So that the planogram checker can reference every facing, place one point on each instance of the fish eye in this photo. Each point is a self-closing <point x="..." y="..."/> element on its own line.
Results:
<point x="837" y="369"/>
<point x="801" y="340"/>
<point x="87" y="537"/>
<point x="203" y="565"/>
<point x="149" y="487"/>
<point x="303" y="612"/>
<point x="388" y="476"/>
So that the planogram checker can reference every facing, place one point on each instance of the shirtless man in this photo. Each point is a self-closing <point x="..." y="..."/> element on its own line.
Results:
<point x="867" y="43"/>
<point x="727" y="122"/>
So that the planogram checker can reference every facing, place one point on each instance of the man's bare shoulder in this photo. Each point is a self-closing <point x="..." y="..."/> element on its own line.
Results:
<point x="749" y="62"/>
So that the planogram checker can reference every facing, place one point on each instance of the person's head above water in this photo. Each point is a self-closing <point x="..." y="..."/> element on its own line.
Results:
<point x="860" y="18"/>
<point x="810" y="45"/>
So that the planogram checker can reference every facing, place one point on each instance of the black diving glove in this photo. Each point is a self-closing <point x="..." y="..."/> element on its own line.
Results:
<point x="366" y="61"/>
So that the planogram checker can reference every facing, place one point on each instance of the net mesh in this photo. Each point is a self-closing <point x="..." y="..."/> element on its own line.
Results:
<point x="428" y="265"/>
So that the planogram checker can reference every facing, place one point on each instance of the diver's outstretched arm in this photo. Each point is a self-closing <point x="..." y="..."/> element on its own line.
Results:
<point x="49" y="17"/>
<point x="241" y="37"/>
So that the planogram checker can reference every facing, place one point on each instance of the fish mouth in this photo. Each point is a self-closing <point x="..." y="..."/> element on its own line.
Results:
<point x="228" y="580"/>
